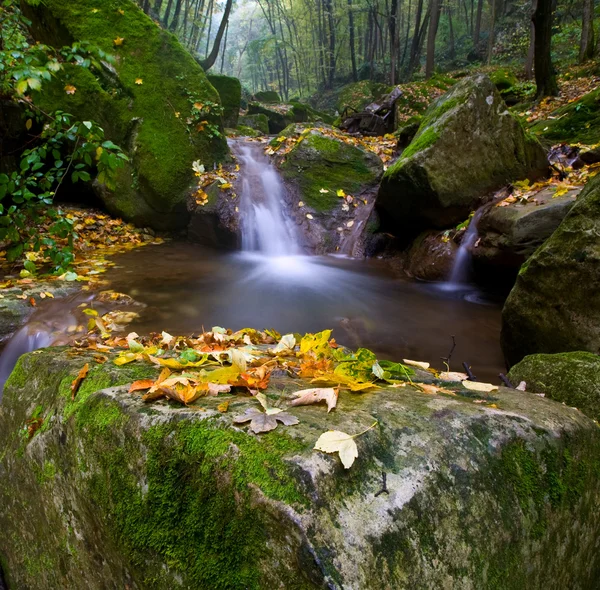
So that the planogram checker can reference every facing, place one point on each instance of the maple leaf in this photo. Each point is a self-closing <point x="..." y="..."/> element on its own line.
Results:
<point x="306" y="397"/>
<point x="336" y="441"/>
<point x="263" y="422"/>
<point x="141" y="385"/>
<point x="118" y="41"/>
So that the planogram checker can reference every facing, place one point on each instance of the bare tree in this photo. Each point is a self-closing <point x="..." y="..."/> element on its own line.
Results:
<point x="545" y="78"/>
<point x="586" y="45"/>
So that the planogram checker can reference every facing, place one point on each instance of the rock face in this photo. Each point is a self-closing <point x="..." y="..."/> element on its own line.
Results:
<point x="230" y="91"/>
<point x="569" y="377"/>
<point x="136" y="102"/>
<point x="258" y="122"/>
<point x="430" y="257"/>
<point x="109" y="492"/>
<point x="555" y="303"/>
<point x="467" y="145"/>
<point x="216" y="223"/>
<point x="314" y="171"/>
<point x="509" y="235"/>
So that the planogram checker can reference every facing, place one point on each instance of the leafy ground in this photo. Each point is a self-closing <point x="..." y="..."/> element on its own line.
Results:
<point x="96" y="236"/>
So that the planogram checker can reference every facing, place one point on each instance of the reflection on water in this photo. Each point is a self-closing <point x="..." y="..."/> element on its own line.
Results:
<point x="188" y="288"/>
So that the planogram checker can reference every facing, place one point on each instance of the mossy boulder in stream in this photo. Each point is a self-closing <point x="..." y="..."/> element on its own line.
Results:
<point x="569" y="377"/>
<point x="143" y="102"/>
<point x="314" y="171"/>
<point x="230" y="91"/>
<point x="555" y="303"/>
<point x="258" y="122"/>
<point x="108" y="492"/>
<point x="468" y="144"/>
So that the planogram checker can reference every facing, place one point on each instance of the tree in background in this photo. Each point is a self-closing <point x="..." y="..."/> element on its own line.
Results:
<point x="545" y="78"/>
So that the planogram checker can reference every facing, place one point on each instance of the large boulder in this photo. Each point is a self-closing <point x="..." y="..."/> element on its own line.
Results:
<point x="258" y="122"/>
<point x="468" y="144"/>
<point x="430" y="257"/>
<point x="143" y="102"/>
<point x="555" y="303"/>
<point x="572" y="378"/>
<point x="230" y="91"/>
<point x="314" y="171"/>
<point x="105" y="491"/>
<point x="508" y="235"/>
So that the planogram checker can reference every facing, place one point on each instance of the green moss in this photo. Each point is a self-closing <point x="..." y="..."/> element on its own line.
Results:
<point x="196" y="511"/>
<point x="360" y="94"/>
<point x="230" y="91"/>
<point x="267" y="96"/>
<point x="248" y="131"/>
<point x="576" y="122"/>
<point x="318" y="162"/>
<point x="259" y="121"/>
<point x="47" y="473"/>
<point x="503" y="79"/>
<point x="164" y="147"/>
<point x="421" y="142"/>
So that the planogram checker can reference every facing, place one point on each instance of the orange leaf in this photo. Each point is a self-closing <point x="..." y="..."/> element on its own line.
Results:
<point x="141" y="384"/>
<point x="77" y="381"/>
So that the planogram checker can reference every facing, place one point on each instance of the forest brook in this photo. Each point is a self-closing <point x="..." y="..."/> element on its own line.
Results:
<point x="299" y="294"/>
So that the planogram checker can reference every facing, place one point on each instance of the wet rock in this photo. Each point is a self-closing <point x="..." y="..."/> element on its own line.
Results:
<point x="267" y="96"/>
<point x="111" y="492"/>
<point x="314" y="171"/>
<point x="572" y="378"/>
<point x="430" y="257"/>
<point x="555" y="303"/>
<point x="278" y="118"/>
<point x="509" y="235"/>
<point x="230" y="92"/>
<point x="147" y="120"/>
<point x="467" y="145"/>
<point x="216" y="223"/>
<point x="587" y="157"/>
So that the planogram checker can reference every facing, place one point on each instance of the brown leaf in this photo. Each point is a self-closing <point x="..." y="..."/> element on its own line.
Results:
<point x="307" y="397"/>
<point x="263" y="422"/>
<point x="141" y="385"/>
<point x="77" y="381"/>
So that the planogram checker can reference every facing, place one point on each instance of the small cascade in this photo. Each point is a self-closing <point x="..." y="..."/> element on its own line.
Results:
<point x="265" y="228"/>
<point x="461" y="269"/>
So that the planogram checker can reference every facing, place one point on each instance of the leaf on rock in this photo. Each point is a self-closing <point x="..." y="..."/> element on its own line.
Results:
<point x="433" y="389"/>
<point x="77" y="381"/>
<point x="307" y="397"/>
<point x="420" y="364"/>
<point x="453" y="377"/>
<point x="262" y="422"/>
<point x="336" y="441"/>
<point x="141" y="385"/>
<point x="286" y="344"/>
<point x="477" y="386"/>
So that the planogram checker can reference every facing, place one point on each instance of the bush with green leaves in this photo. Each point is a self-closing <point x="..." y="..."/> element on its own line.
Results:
<point x="63" y="151"/>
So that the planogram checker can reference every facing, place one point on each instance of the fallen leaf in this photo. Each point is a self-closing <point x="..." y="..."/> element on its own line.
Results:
<point x="139" y="81"/>
<point x="420" y="364"/>
<point x="477" y="386"/>
<point x="77" y="381"/>
<point x="433" y="389"/>
<point x="223" y="407"/>
<point x="309" y="216"/>
<point x="118" y="41"/>
<point x="336" y="441"/>
<point x="323" y="190"/>
<point x="263" y="422"/>
<point x="141" y="385"/>
<point x="70" y="89"/>
<point x="307" y="397"/>
<point x="453" y="376"/>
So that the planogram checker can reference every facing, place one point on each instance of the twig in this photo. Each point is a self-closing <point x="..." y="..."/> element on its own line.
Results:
<point x="505" y="380"/>
<point x="469" y="372"/>
<point x="447" y="358"/>
<point x="383" y="489"/>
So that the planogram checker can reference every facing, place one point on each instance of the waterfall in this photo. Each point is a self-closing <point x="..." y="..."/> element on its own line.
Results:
<point x="265" y="228"/>
<point x="461" y="268"/>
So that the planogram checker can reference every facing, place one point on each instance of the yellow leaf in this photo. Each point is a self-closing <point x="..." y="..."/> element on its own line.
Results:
<point x="309" y="216"/>
<point x="420" y="364"/>
<point x="70" y="89"/>
<point x="341" y="193"/>
<point x="139" y="81"/>
<point x="300" y="203"/>
<point x="28" y="124"/>
<point x="225" y="186"/>
<point x="476" y="386"/>
<point x="118" y="41"/>
<point x="121" y="11"/>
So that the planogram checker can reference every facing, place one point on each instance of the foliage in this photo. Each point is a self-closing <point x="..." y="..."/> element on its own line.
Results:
<point x="63" y="150"/>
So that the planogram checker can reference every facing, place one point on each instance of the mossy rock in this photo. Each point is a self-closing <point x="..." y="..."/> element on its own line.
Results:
<point x="576" y="122"/>
<point x="434" y="183"/>
<point x="572" y="378"/>
<point x="147" y="119"/>
<point x="258" y="122"/>
<point x="267" y="96"/>
<point x="358" y="95"/>
<point x="503" y="79"/>
<point x="245" y="131"/>
<point x="555" y="303"/>
<point x="230" y="91"/>
<point x="112" y="492"/>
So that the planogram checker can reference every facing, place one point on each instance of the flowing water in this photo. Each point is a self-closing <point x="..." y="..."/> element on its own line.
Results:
<point x="187" y="288"/>
<point x="461" y="269"/>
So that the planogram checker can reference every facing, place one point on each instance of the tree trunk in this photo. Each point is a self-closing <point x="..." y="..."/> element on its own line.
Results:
<point x="352" y="50"/>
<point x="212" y="58"/>
<point x="329" y="5"/>
<point x="490" y="47"/>
<point x="586" y="45"/>
<point x="451" y="48"/>
<point x="477" y="31"/>
<point x="530" y="51"/>
<point x="414" y="45"/>
<point x="545" y="78"/>
<point x="393" y="42"/>
<point x="436" y="7"/>
<point x="167" y="13"/>
<point x="175" y="22"/>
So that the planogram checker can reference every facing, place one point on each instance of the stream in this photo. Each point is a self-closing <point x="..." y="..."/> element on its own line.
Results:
<point x="187" y="288"/>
